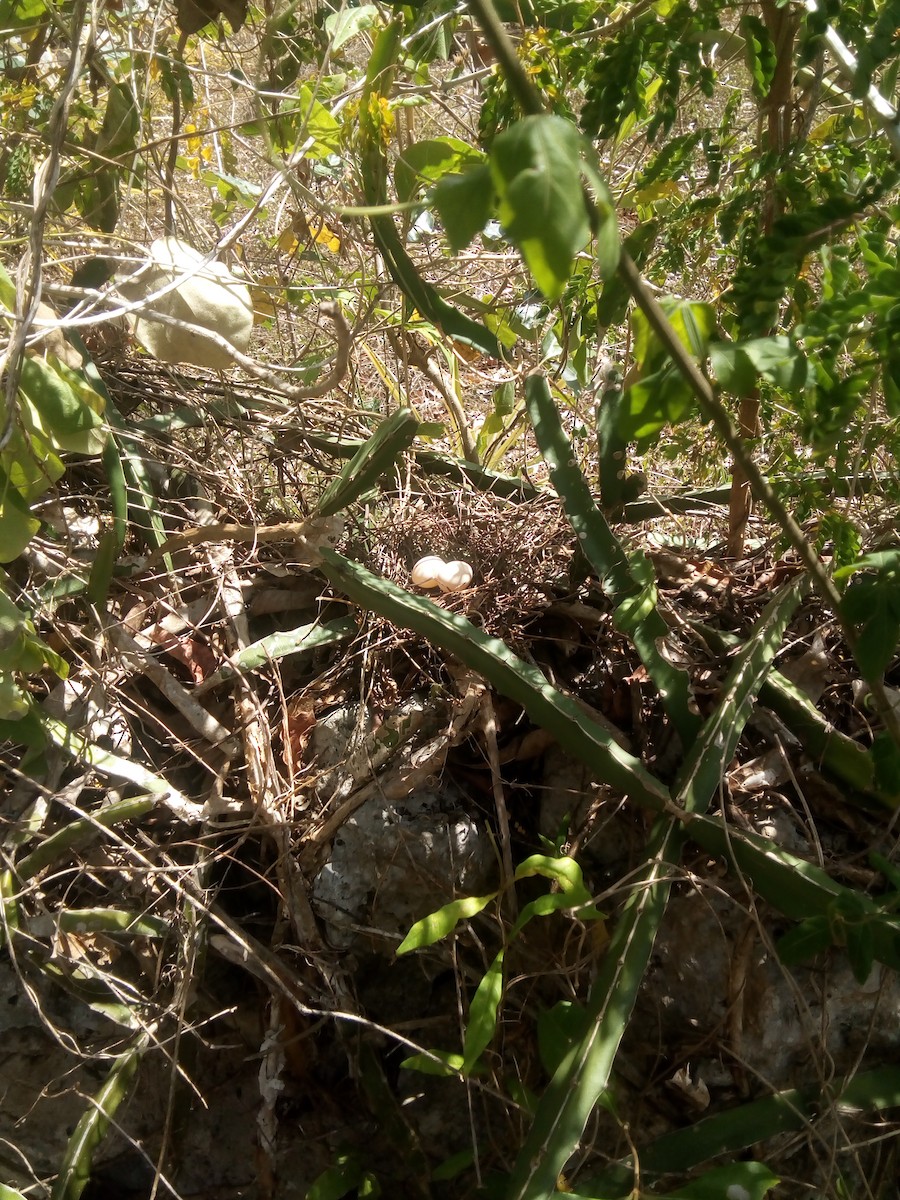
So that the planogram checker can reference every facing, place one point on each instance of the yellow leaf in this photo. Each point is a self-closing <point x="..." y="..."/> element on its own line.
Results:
<point x="287" y="242"/>
<point x="327" y="237"/>
<point x="665" y="189"/>
<point x="264" y="296"/>
<point x="194" y="142"/>
<point x="20" y="99"/>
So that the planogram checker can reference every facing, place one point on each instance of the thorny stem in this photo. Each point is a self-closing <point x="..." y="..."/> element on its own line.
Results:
<point x="711" y="407"/>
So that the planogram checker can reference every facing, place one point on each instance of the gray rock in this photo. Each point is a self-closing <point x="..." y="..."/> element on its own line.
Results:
<point x="394" y="863"/>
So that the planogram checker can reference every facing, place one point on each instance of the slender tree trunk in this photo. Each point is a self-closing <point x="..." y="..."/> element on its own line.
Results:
<point x="776" y="114"/>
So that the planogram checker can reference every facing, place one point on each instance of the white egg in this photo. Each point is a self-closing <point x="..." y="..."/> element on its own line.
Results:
<point x="428" y="571"/>
<point x="455" y="576"/>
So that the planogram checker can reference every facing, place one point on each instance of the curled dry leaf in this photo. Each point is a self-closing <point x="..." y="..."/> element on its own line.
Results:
<point x="192" y="15"/>
<point x="209" y="297"/>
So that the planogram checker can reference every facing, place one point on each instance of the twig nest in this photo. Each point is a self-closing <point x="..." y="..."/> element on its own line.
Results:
<point x="431" y="572"/>
<point x="211" y="298"/>
<point x="455" y="577"/>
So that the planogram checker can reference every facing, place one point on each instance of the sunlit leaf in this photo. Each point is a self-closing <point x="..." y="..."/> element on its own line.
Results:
<point x="442" y="922"/>
<point x="425" y="163"/>
<point x="483" y="1014"/>
<point x="438" y="1062"/>
<point x="738" y="366"/>
<point x="345" y="24"/>
<point x="17" y="525"/>
<point x="337" y="1180"/>
<point x="536" y="166"/>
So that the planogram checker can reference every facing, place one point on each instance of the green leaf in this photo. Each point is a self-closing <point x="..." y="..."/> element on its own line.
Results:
<point x="634" y="610"/>
<point x="464" y="203"/>
<point x="442" y="922"/>
<point x="369" y="1188"/>
<point x="805" y="941"/>
<point x="693" y="321"/>
<point x="337" y="1180"/>
<point x="608" y="245"/>
<point x="282" y="644"/>
<point x="655" y="401"/>
<point x="733" y="1131"/>
<point x="31" y="464"/>
<point x="7" y="290"/>
<point x="59" y="403"/>
<point x="347" y="23"/>
<point x="117" y="137"/>
<point x="145" y="512"/>
<point x="17" y="525"/>
<point x="544" y="906"/>
<point x="446" y="1065"/>
<point x="10" y="915"/>
<point x="318" y="124"/>
<point x="483" y="1014"/>
<point x="882" y="560"/>
<point x="503" y="408"/>
<point x="661" y="396"/>
<point x="759" y="53"/>
<point x="536" y="166"/>
<point x="111" y="920"/>
<point x="21" y="652"/>
<point x="102" y="569"/>
<point x="26" y="730"/>
<point x="860" y="944"/>
<point x="749" y="1180"/>
<point x="887" y="869"/>
<point x="21" y="14"/>
<point x="564" y="872"/>
<point x="450" y="1167"/>
<point x="425" y="163"/>
<point x="738" y="366"/>
<point x="872" y="603"/>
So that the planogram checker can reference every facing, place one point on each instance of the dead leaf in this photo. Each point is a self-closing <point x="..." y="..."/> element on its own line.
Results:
<point x="694" y="1090"/>
<point x="192" y="15"/>
<point x="767" y="771"/>
<point x="811" y="672"/>
<point x="194" y="654"/>
<point x="299" y="722"/>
